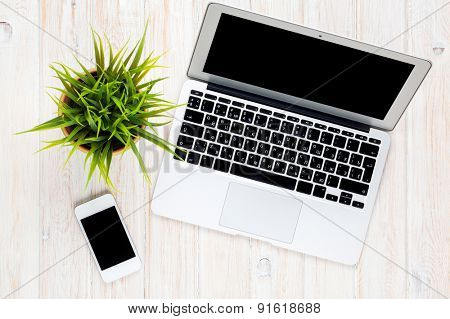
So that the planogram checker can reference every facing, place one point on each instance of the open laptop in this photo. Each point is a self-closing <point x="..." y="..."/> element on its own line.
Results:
<point x="283" y="138"/>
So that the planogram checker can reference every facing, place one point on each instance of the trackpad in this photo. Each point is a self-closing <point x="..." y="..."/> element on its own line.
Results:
<point x="261" y="212"/>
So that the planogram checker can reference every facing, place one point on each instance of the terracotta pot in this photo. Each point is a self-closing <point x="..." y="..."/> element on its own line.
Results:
<point x="67" y="130"/>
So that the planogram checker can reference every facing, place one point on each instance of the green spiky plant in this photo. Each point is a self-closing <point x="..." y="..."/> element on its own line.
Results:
<point x="104" y="111"/>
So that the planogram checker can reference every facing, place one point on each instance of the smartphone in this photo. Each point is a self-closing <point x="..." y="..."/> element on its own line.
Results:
<point x="108" y="238"/>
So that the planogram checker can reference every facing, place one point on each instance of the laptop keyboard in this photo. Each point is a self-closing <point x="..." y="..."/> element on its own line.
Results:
<point x="273" y="148"/>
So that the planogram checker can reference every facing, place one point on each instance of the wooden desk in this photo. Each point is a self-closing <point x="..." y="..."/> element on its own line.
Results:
<point x="410" y="223"/>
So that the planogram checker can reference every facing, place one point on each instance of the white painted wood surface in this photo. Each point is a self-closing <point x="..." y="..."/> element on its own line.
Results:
<point x="410" y="224"/>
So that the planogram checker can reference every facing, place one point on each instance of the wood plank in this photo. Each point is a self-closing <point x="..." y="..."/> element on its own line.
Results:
<point x="323" y="278"/>
<point x="61" y="188"/>
<point x="19" y="169"/>
<point x="428" y="204"/>
<point x="378" y="23"/>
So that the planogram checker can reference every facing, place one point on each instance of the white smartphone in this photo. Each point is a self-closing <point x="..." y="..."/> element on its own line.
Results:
<point x="108" y="238"/>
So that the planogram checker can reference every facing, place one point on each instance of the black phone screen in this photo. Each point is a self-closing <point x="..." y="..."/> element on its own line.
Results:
<point x="108" y="238"/>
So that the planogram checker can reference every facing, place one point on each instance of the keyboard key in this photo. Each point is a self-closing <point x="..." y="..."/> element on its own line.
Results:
<point x="236" y="103"/>
<point x="221" y="109"/>
<point x="329" y="166"/>
<point x="224" y="124"/>
<point x="321" y="126"/>
<point x="193" y="116"/>
<point x="237" y="141"/>
<point x="290" y="142"/>
<point x="339" y="141"/>
<point x="293" y="119"/>
<point x="210" y="120"/>
<point x="319" y="191"/>
<point x="352" y="145"/>
<point x="237" y="128"/>
<point x="368" y="165"/>
<point x="251" y="107"/>
<point x="355" y="173"/>
<point x="279" y="167"/>
<point x="222" y="165"/>
<point x="287" y="127"/>
<point x="369" y="149"/>
<point x="342" y="156"/>
<point x="375" y="141"/>
<point x="266" y="163"/>
<point x="277" y="138"/>
<point x="313" y="134"/>
<point x="263" y="176"/>
<point x="193" y="158"/>
<point x="293" y="170"/>
<point x="223" y="138"/>
<point x="263" y="135"/>
<point x="331" y="197"/>
<point x="357" y="204"/>
<point x="192" y="130"/>
<point x="306" y="174"/>
<point x="213" y="149"/>
<point x="185" y="141"/>
<point x="250" y="131"/>
<point x="356" y="159"/>
<point x="260" y="120"/>
<point x="347" y="133"/>
<point x="210" y="135"/>
<point x="353" y="187"/>
<point x="316" y="149"/>
<point x="224" y="100"/>
<point x="279" y="115"/>
<point x="247" y="116"/>
<point x="234" y="113"/>
<point x="263" y="149"/>
<point x="329" y="152"/>
<point x="306" y="122"/>
<point x="227" y="153"/>
<point x="334" y="130"/>
<point x="345" y="200"/>
<point x="277" y="152"/>
<point x="274" y="124"/>
<point x="207" y="106"/>
<point x="196" y="93"/>
<point x="300" y="130"/>
<point x="303" y="145"/>
<point x="211" y="97"/>
<point x="250" y="145"/>
<point x="207" y="161"/>
<point x="303" y="159"/>
<point x="240" y="156"/>
<point x="290" y="156"/>
<point x="326" y="138"/>
<point x="316" y="162"/>
<point x="181" y="153"/>
<point x="193" y="102"/>
<point x="319" y="178"/>
<point x="200" y="146"/>
<point x="332" y="181"/>
<point x="342" y="170"/>
<point x="304" y="187"/>
<point x="264" y="111"/>
<point x="361" y="137"/>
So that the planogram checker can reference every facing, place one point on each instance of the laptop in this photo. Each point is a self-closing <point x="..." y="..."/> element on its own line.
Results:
<point x="284" y="134"/>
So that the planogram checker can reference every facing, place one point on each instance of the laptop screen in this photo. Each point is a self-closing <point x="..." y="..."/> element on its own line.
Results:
<point x="305" y="67"/>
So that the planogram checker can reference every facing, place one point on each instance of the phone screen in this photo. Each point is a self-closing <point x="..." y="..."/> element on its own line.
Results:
<point x="108" y="238"/>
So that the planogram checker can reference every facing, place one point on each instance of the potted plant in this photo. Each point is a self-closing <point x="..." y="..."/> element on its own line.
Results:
<point x="105" y="110"/>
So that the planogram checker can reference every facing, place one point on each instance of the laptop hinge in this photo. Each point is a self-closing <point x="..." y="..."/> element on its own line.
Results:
<point x="286" y="106"/>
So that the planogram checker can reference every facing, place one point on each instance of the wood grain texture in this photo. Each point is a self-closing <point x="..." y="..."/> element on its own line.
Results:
<point x="409" y="232"/>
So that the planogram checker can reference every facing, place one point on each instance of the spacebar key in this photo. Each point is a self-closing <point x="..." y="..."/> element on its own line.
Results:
<point x="262" y="176"/>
